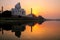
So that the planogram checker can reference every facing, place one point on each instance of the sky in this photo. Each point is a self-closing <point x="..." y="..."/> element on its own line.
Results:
<point x="45" y="8"/>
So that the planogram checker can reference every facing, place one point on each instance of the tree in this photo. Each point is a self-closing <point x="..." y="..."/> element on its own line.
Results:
<point x="6" y="14"/>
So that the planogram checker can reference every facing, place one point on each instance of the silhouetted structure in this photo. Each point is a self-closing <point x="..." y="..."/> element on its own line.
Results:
<point x="16" y="29"/>
<point x="2" y="9"/>
<point x="0" y="15"/>
<point x="40" y="17"/>
<point x="6" y="26"/>
<point x="6" y="14"/>
<point x="19" y="30"/>
<point x="18" y="33"/>
<point x="31" y="24"/>
<point x="23" y="20"/>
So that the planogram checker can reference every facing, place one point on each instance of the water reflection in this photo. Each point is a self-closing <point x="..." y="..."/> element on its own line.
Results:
<point x="46" y="31"/>
<point x="16" y="28"/>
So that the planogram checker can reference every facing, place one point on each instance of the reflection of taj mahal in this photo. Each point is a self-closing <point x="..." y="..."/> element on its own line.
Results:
<point x="18" y="11"/>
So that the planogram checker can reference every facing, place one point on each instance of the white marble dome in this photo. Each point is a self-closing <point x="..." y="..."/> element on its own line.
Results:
<point x="18" y="10"/>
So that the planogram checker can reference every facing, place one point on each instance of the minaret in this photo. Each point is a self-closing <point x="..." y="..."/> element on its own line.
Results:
<point x="2" y="9"/>
<point x="31" y="10"/>
<point x="31" y="28"/>
<point x="31" y="14"/>
<point x="1" y="12"/>
<point x="2" y="31"/>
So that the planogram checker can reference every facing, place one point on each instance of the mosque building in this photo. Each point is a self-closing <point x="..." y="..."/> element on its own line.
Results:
<point x="18" y="11"/>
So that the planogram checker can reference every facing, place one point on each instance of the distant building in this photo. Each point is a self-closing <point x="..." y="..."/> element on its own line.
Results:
<point x="31" y="14"/>
<point x="18" y="11"/>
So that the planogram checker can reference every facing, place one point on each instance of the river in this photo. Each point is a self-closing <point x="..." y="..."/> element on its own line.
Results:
<point x="48" y="30"/>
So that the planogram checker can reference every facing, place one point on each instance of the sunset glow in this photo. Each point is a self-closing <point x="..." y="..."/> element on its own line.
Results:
<point x="40" y="7"/>
<point x="29" y="19"/>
